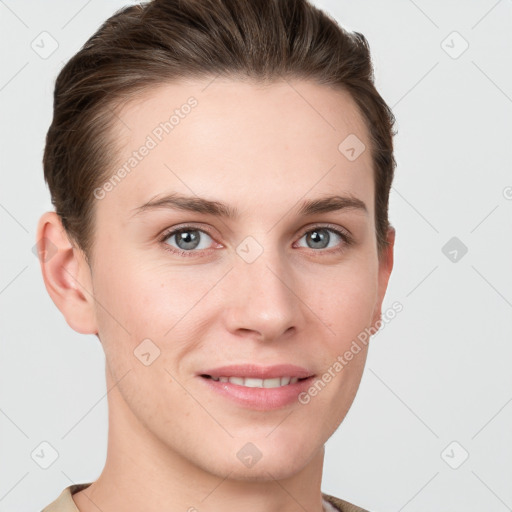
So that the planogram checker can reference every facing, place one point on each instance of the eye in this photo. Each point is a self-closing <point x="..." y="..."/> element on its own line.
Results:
<point x="190" y="240"/>
<point x="320" y="237"/>
<point x="187" y="240"/>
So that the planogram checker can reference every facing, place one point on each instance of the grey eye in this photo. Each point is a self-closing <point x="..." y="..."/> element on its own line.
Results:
<point x="188" y="239"/>
<point x="319" y="238"/>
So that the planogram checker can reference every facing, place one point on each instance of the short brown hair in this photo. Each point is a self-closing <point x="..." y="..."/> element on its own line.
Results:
<point x="163" y="41"/>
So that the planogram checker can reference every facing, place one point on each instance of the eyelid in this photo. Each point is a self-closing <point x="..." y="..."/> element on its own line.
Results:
<point x="343" y="232"/>
<point x="166" y="233"/>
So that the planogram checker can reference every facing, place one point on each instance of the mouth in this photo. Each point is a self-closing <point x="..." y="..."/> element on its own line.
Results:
<point x="257" y="387"/>
<point x="251" y="382"/>
<point x="256" y="393"/>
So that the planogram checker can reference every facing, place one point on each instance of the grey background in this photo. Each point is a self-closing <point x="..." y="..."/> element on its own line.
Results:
<point x="438" y="373"/>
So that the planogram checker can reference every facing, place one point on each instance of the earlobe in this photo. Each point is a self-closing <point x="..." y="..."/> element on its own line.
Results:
<point x="66" y="274"/>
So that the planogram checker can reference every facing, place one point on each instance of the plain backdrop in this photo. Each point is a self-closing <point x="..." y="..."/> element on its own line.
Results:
<point x="430" y="428"/>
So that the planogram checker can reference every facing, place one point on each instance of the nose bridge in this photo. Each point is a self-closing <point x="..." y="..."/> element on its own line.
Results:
<point x="262" y="296"/>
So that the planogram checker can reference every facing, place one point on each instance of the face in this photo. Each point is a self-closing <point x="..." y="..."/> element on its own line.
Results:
<point x="275" y="282"/>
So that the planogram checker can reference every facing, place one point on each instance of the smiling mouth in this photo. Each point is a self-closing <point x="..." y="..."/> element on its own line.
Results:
<point x="251" y="382"/>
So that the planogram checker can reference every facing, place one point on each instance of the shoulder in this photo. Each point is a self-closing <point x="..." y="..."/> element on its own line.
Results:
<point x="342" y="505"/>
<point x="65" y="503"/>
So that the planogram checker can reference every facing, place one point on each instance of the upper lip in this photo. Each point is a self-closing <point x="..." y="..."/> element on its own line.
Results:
<point x="259" y="372"/>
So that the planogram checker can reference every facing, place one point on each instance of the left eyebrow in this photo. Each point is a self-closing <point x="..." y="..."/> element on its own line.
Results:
<point x="219" y="209"/>
<point x="332" y="204"/>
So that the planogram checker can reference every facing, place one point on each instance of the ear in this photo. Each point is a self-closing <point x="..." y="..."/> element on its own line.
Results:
<point x="385" y="268"/>
<point x="66" y="274"/>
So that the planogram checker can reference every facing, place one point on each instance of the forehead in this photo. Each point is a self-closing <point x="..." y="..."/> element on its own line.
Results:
<point x="234" y="139"/>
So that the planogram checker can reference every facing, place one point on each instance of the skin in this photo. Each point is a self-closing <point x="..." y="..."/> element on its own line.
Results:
<point x="172" y="443"/>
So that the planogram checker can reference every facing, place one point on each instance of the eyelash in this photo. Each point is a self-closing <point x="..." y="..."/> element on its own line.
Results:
<point x="347" y="239"/>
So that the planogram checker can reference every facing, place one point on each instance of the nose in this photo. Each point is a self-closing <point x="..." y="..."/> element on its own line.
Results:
<point x="262" y="299"/>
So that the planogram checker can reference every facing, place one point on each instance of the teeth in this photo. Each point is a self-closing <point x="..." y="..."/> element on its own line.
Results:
<point x="258" y="383"/>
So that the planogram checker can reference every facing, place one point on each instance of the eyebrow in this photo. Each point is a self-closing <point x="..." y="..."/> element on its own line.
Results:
<point x="218" y="209"/>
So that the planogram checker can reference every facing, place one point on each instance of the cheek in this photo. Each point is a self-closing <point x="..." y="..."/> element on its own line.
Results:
<point x="139" y="300"/>
<point x="126" y="303"/>
<point x="346" y="301"/>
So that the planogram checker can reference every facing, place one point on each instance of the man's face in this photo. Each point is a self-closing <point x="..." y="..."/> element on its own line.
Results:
<point x="271" y="285"/>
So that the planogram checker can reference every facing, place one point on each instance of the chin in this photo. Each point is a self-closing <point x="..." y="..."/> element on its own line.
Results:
<point x="264" y="470"/>
<point x="264" y="460"/>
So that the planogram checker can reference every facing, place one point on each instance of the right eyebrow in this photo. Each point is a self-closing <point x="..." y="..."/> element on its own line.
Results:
<point x="190" y="204"/>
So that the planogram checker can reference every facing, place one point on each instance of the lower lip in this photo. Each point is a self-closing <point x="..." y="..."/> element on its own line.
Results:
<point x="261" y="399"/>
